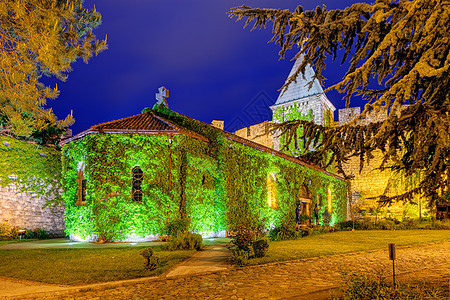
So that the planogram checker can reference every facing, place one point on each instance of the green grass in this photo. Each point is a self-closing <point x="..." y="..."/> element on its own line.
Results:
<point x="5" y="242"/>
<point x="100" y="264"/>
<point x="346" y="242"/>
<point x="81" y="266"/>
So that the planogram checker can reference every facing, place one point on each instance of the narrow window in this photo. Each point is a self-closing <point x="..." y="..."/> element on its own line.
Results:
<point x="271" y="191"/>
<point x="137" y="182"/>
<point x="81" y="185"/>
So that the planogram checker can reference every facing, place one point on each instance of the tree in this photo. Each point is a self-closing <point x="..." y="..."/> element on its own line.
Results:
<point x="402" y="48"/>
<point x="40" y="37"/>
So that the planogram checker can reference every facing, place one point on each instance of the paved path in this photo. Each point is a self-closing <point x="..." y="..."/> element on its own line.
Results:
<point x="210" y="259"/>
<point x="302" y="279"/>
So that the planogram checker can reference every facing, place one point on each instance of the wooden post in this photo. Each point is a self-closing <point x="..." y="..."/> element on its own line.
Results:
<point x="392" y="257"/>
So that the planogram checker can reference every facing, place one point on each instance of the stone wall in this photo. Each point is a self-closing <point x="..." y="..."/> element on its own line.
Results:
<point x="348" y="114"/>
<point x="259" y="133"/>
<point x="23" y="211"/>
<point x="371" y="182"/>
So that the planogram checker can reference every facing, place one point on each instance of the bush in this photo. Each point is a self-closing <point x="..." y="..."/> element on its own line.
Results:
<point x="37" y="233"/>
<point x="177" y="226"/>
<point x="8" y="232"/>
<point x="322" y="230"/>
<point x="260" y="246"/>
<point x="248" y="242"/>
<point x="344" y="225"/>
<point x="244" y="236"/>
<point x="386" y="224"/>
<point x="283" y="232"/>
<point x="185" y="241"/>
<point x="151" y="261"/>
<point x="239" y="256"/>
<point x="306" y="232"/>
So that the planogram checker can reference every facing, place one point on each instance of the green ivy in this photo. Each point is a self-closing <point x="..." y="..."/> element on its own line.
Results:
<point x="32" y="168"/>
<point x="216" y="185"/>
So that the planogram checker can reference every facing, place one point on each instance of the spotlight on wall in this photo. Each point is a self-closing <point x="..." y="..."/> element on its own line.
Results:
<point x="309" y="180"/>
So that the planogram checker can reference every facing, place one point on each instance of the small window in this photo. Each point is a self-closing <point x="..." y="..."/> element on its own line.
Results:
<point x="81" y="185"/>
<point x="272" y="200"/>
<point x="137" y="183"/>
<point x="203" y="179"/>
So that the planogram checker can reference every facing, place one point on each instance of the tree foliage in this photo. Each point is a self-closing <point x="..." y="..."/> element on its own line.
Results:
<point x="402" y="48"/>
<point x="40" y="37"/>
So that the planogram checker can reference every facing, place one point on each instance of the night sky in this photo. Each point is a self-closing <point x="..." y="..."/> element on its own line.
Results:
<point x="212" y="66"/>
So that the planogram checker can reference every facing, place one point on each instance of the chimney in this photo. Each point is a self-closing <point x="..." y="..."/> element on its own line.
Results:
<point x="217" y="124"/>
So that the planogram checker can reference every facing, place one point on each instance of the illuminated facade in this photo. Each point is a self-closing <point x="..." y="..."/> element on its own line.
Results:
<point x="142" y="172"/>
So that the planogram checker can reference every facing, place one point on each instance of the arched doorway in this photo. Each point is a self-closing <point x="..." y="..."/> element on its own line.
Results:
<point x="304" y="205"/>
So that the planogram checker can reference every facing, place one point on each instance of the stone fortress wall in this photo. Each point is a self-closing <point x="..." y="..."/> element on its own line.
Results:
<point x="371" y="182"/>
<point x="26" y="212"/>
<point x="259" y="133"/>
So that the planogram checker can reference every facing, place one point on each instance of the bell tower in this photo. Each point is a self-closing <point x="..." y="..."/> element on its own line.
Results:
<point x="302" y="102"/>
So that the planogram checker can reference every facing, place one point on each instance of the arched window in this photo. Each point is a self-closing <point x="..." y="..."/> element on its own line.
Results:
<point x="272" y="191"/>
<point x="137" y="182"/>
<point x="81" y="185"/>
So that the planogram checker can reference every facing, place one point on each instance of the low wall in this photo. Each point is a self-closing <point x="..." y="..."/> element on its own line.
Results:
<point x="24" y="211"/>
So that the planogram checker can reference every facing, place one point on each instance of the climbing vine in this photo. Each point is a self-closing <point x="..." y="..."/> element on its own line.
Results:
<point x="31" y="168"/>
<point x="214" y="185"/>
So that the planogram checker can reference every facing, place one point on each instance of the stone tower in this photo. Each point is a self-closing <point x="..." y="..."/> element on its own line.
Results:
<point x="299" y="101"/>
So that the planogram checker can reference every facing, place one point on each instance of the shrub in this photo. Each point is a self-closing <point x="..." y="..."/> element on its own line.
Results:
<point x="243" y="237"/>
<point x="322" y="230"/>
<point x="8" y="232"/>
<point x="151" y="261"/>
<point x="185" y="241"/>
<point x="283" y="232"/>
<point x="344" y="225"/>
<point x="36" y="233"/>
<point x="248" y="242"/>
<point x="240" y="257"/>
<point x="386" y="224"/>
<point x="260" y="246"/>
<point x="177" y="226"/>
<point x="306" y="232"/>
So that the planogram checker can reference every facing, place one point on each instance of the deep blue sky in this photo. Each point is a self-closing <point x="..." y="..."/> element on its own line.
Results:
<point x="212" y="66"/>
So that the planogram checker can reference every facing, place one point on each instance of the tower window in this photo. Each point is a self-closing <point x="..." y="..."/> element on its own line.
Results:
<point x="137" y="183"/>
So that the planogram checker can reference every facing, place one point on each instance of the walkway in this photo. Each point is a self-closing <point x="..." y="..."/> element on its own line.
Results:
<point x="303" y="279"/>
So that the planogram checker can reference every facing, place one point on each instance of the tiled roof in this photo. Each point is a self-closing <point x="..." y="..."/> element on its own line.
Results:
<point x="300" y="89"/>
<point x="145" y="123"/>
<point x="150" y="123"/>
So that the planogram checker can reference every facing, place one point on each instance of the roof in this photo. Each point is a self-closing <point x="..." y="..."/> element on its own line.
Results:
<point x="300" y="88"/>
<point x="144" y="123"/>
<point x="152" y="123"/>
<point x="235" y="138"/>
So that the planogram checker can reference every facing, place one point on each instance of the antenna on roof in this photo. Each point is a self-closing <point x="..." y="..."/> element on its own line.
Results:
<point x="162" y="96"/>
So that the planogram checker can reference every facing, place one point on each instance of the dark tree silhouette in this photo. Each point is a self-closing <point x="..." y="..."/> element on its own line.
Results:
<point x="402" y="46"/>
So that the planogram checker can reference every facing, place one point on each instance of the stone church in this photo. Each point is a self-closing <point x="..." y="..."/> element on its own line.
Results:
<point x="302" y="101"/>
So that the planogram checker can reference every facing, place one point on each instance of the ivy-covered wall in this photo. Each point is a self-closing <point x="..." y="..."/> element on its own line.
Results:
<point x="247" y="170"/>
<point x="216" y="185"/>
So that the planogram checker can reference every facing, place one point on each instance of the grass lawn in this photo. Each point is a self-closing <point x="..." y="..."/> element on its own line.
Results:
<point x="80" y="266"/>
<point x="348" y="241"/>
<point x="5" y="242"/>
<point x="100" y="264"/>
